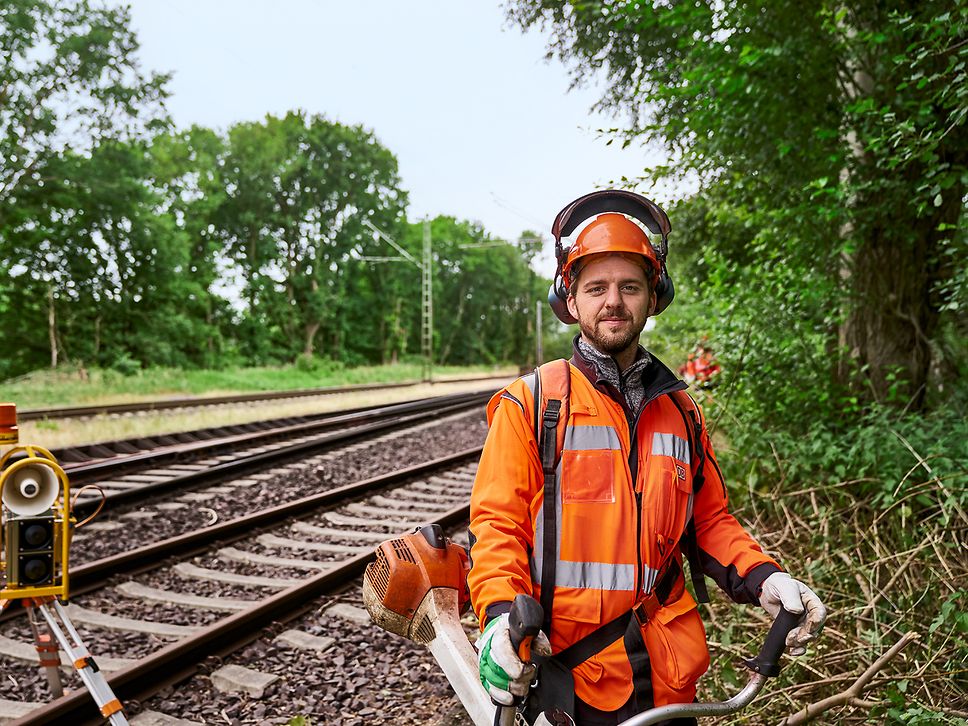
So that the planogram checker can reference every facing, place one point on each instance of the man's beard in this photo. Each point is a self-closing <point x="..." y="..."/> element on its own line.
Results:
<point x="612" y="342"/>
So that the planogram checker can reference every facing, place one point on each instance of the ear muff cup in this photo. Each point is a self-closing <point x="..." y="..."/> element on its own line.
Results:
<point x="557" y="299"/>
<point x="665" y="292"/>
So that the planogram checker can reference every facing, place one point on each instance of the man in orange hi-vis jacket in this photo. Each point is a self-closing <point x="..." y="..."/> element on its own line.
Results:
<point x="597" y="478"/>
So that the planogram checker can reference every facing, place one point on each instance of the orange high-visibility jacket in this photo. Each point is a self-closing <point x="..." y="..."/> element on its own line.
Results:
<point x="623" y="501"/>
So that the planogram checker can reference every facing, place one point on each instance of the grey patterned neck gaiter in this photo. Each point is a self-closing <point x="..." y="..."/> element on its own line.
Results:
<point x="629" y="381"/>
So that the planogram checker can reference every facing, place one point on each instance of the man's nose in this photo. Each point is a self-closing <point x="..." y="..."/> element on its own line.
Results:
<point x="613" y="297"/>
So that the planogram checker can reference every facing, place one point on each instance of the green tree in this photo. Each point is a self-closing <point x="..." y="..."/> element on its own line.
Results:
<point x="96" y="240"/>
<point x="186" y="171"/>
<point x="832" y="138"/>
<point x="69" y="82"/>
<point x="483" y="293"/>
<point x="297" y="190"/>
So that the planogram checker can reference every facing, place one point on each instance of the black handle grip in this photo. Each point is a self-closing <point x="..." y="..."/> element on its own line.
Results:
<point x="767" y="662"/>
<point x="524" y="622"/>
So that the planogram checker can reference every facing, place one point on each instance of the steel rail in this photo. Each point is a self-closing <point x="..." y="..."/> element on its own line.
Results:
<point x="77" y="411"/>
<point x="94" y="574"/>
<point x="81" y="453"/>
<point x="176" y="452"/>
<point x="256" y="461"/>
<point x="180" y="660"/>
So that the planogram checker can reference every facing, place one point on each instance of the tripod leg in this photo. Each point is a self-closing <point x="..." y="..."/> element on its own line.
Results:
<point x="47" y="653"/>
<point x="87" y="669"/>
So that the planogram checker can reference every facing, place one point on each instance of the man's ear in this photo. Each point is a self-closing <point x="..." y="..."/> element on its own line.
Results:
<point x="572" y="305"/>
<point x="653" y="301"/>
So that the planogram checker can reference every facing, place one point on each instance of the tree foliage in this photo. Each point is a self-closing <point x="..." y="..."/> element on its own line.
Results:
<point x="823" y="252"/>
<point x="68" y="79"/>
<point x="126" y="243"/>
<point x="74" y="229"/>
<point x="297" y="190"/>
<point x="829" y="144"/>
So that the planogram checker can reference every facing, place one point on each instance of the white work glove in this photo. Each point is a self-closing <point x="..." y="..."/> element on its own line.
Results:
<point x="795" y="597"/>
<point x="504" y="675"/>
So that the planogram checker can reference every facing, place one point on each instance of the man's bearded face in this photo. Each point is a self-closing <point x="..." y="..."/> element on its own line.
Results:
<point x="612" y="301"/>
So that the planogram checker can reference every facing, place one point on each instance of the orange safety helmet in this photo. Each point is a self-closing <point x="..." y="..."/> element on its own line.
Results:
<point x="611" y="232"/>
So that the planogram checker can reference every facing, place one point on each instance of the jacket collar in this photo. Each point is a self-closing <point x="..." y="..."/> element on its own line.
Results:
<point x="657" y="379"/>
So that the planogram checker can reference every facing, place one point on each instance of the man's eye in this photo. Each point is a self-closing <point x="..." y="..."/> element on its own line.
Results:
<point x="631" y="288"/>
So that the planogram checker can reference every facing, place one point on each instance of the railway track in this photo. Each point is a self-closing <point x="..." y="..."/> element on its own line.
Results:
<point x="205" y="401"/>
<point x="134" y="469"/>
<point x="208" y="592"/>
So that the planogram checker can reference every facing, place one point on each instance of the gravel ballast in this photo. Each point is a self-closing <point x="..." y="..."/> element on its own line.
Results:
<point x="278" y="485"/>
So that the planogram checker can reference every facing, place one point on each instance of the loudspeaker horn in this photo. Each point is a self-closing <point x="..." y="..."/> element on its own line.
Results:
<point x="30" y="486"/>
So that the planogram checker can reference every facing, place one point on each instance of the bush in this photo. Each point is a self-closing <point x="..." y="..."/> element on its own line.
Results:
<point x="307" y="362"/>
<point x="126" y="365"/>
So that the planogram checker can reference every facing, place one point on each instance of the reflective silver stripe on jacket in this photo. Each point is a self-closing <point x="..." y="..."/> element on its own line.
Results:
<point x="585" y="438"/>
<point x="594" y="575"/>
<point x="531" y="381"/>
<point x="649" y="577"/>
<point x="671" y="445"/>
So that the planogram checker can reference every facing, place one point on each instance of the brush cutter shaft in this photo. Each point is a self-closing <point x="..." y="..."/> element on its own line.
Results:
<point x="683" y="710"/>
<point x="765" y="665"/>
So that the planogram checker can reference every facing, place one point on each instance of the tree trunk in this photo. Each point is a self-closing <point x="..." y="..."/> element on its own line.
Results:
<point x="310" y="327"/>
<point x="384" y="342"/>
<point x="310" y="330"/>
<point x="445" y="353"/>
<point x="894" y="308"/>
<point x="891" y="310"/>
<point x="52" y="326"/>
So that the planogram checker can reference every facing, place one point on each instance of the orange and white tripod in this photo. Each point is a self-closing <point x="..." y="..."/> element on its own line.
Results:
<point x="77" y="653"/>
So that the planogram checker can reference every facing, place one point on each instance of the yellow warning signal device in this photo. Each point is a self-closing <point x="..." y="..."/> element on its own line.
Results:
<point x="35" y="519"/>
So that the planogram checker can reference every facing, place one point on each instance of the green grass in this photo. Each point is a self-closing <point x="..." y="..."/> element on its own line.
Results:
<point x="76" y="387"/>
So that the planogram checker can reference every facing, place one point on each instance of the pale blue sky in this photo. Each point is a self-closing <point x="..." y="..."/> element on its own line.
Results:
<point x="484" y="128"/>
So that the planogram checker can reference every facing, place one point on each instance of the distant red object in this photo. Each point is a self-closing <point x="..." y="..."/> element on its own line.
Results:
<point x="700" y="368"/>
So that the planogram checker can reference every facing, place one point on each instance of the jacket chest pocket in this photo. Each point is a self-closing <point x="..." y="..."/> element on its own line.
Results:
<point x="588" y="476"/>
<point x="669" y="499"/>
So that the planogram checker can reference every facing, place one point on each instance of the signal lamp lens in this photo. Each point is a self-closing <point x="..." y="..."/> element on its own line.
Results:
<point x="35" y="571"/>
<point x="36" y="535"/>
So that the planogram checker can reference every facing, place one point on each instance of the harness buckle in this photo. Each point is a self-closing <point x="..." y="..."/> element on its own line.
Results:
<point x="552" y="411"/>
<point x="645" y="609"/>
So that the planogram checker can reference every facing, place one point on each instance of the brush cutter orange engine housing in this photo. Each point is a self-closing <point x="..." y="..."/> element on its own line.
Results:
<point x="406" y="569"/>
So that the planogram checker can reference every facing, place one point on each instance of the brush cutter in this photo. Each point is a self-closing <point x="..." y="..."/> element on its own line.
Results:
<point x="417" y="588"/>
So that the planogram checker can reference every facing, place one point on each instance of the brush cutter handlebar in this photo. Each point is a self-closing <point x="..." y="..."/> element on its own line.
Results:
<point x="765" y="665"/>
<point x="524" y="623"/>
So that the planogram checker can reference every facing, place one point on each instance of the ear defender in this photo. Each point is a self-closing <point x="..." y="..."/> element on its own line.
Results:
<point x="665" y="291"/>
<point x="557" y="299"/>
<point x="610" y="233"/>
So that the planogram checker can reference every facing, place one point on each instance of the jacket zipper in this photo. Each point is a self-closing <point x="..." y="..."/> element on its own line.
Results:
<point x="634" y="471"/>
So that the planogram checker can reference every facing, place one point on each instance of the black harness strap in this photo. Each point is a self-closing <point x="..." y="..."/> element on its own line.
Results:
<point x="548" y="444"/>
<point x="641" y="662"/>
<point x="596" y="641"/>
<point x="691" y="542"/>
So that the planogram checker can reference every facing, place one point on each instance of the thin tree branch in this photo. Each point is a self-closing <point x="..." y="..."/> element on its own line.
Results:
<point x="852" y="695"/>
